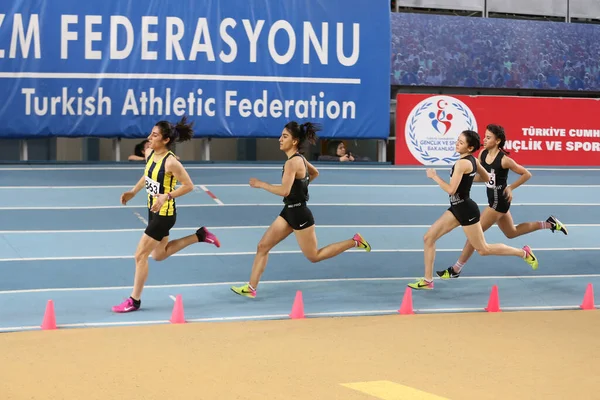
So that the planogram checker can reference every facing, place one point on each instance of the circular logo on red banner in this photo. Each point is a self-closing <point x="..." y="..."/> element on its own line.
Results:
<point x="433" y="126"/>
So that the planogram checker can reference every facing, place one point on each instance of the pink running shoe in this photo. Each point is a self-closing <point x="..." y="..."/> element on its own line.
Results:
<point x="126" y="306"/>
<point x="361" y="242"/>
<point x="208" y="237"/>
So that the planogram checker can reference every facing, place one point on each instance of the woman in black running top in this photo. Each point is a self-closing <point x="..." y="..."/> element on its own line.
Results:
<point x="463" y="211"/>
<point x="295" y="216"/>
<point x="496" y="162"/>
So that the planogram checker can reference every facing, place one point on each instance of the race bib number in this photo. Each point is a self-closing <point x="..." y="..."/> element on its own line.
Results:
<point x="492" y="182"/>
<point x="152" y="187"/>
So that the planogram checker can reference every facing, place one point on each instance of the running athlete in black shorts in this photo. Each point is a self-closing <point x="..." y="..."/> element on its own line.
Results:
<point x="161" y="175"/>
<point x="462" y="206"/>
<point x="295" y="212"/>
<point x="495" y="160"/>
<point x="463" y="211"/>
<point x="295" y="216"/>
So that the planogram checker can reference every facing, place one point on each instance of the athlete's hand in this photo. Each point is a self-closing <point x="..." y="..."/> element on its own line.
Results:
<point x="431" y="173"/>
<point x="159" y="200"/>
<point x="255" y="183"/>
<point x="125" y="197"/>
<point x="508" y="193"/>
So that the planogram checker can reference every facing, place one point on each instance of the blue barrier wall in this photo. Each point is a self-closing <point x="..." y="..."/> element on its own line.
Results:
<point x="238" y="68"/>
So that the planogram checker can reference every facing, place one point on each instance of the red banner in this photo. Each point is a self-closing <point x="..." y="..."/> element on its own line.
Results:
<point x="539" y="131"/>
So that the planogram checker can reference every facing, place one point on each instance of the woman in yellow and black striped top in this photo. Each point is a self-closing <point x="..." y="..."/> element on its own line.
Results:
<point x="163" y="171"/>
<point x="160" y="181"/>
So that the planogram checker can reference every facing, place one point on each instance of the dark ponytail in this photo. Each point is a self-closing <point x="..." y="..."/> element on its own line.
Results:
<point x="180" y="132"/>
<point x="306" y="131"/>
<point x="498" y="131"/>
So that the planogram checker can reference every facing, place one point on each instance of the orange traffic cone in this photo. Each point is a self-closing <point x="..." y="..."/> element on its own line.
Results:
<point x="494" y="301"/>
<point x="406" y="307"/>
<point x="49" y="321"/>
<point x="177" y="316"/>
<point x="297" y="307"/>
<point x="588" y="298"/>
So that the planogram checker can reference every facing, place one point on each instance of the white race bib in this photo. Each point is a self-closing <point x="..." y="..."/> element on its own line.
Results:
<point x="152" y="187"/>
<point x="492" y="182"/>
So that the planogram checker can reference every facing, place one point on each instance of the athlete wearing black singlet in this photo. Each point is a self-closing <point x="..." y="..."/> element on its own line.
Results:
<point x="295" y="212"/>
<point x="463" y="211"/>
<point x="497" y="183"/>
<point x="462" y="206"/>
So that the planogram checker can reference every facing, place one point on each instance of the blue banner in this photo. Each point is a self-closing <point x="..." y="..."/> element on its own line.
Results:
<point x="238" y="68"/>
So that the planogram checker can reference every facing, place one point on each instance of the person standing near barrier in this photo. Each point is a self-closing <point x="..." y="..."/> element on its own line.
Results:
<point x="296" y="216"/>
<point x="161" y="174"/>
<point x="496" y="162"/>
<point x="463" y="211"/>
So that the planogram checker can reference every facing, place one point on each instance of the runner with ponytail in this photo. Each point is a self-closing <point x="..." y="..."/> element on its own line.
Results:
<point x="162" y="173"/>
<point x="296" y="216"/>
<point x="494" y="159"/>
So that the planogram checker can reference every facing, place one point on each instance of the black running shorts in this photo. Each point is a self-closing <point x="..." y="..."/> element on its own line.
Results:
<point x="467" y="212"/>
<point x="159" y="225"/>
<point x="298" y="216"/>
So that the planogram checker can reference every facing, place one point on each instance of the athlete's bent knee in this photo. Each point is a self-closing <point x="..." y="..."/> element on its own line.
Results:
<point x="263" y="247"/>
<point x="429" y="239"/>
<point x="140" y="256"/>
<point x="511" y="234"/>
<point x="313" y="258"/>
<point x="159" y="255"/>
<point x="483" y="250"/>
